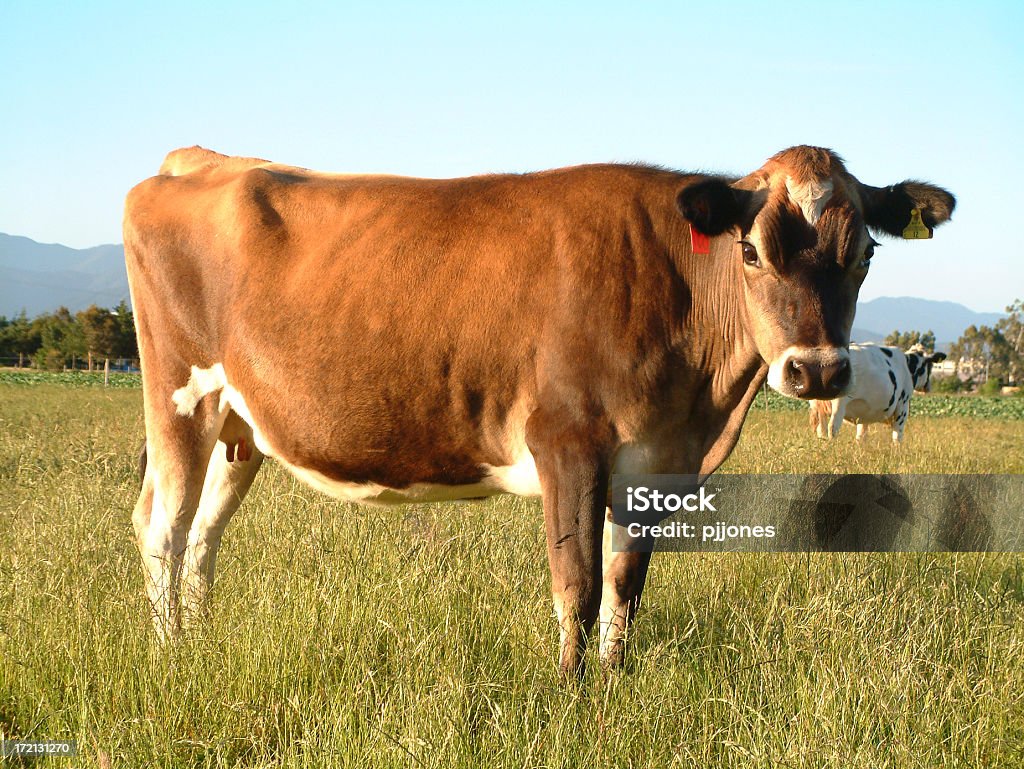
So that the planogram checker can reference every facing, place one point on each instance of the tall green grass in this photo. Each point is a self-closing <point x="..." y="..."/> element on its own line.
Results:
<point x="422" y="636"/>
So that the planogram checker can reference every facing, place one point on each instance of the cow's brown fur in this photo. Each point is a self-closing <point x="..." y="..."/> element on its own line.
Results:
<point x="399" y="331"/>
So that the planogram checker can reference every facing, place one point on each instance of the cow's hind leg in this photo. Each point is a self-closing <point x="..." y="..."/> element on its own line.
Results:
<point x="899" y="422"/>
<point x="227" y="482"/>
<point x="625" y="572"/>
<point x="818" y="417"/>
<point x="177" y="453"/>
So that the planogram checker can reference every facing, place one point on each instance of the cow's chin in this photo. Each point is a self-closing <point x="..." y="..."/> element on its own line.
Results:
<point x="781" y="388"/>
<point x="811" y="373"/>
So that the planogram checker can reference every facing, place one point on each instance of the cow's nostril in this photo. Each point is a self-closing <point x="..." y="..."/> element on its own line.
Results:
<point x="808" y="377"/>
<point x="796" y="373"/>
<point x="836" y="377"/>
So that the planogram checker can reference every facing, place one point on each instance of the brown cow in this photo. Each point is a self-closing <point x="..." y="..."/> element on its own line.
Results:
<point x="390" y="339"/>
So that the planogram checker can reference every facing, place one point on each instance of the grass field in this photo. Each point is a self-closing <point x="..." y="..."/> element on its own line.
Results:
<point x="422" y="635"/>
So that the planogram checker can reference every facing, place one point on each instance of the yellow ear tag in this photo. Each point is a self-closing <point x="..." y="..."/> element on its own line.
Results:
<point x="916" y="229"/>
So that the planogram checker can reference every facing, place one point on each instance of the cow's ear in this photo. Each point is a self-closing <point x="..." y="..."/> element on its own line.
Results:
<point x="937" y="357"/>
<point x="888" y="209"/>
<point x="713" y="206"/>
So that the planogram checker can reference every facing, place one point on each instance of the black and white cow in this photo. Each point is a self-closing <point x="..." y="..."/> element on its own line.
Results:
<point x="884" y="379"/>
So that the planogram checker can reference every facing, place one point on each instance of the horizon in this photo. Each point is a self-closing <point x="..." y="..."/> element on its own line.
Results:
<point x="916" y="91"/>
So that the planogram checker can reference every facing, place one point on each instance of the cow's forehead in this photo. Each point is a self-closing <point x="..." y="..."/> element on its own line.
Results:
<point x="807" y="180"/>
<point x="804" y="163"/>
<point x="813" y="205"/>
<point x="784" y="232"/>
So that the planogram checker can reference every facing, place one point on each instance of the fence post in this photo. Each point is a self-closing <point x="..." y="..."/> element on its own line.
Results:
<point x="106" y="371"/>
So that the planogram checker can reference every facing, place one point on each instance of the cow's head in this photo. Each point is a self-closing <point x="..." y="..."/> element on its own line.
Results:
<point x="920" y="364"/>
<point x="801" y="230"/>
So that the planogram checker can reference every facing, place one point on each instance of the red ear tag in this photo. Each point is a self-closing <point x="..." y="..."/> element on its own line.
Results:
<point x="699" y="242"/>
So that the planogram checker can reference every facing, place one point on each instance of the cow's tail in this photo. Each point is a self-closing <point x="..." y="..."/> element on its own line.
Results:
<point x="143" y="459"/>
<point x="818" y="412"/>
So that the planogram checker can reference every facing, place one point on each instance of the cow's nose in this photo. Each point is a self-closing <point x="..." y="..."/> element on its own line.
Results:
<point x="813" y="379"/>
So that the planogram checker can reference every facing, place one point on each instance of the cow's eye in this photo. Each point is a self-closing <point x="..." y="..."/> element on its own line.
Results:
<point x="868" y="253"/>
<point x="750" y="254"/>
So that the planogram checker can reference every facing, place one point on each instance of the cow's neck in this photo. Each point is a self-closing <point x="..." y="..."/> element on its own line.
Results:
<point x="718" y="368"/>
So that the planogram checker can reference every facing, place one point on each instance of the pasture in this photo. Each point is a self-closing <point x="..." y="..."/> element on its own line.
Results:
<point x="422" y="635"/>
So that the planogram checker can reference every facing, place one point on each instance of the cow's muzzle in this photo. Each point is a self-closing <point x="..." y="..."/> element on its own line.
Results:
<point x="811" y="373"/>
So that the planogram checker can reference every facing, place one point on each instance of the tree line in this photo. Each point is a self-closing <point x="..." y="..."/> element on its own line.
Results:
<point x="982" y="353"/>
<point x="54" y="341"/>
<point x="60" y="339"/>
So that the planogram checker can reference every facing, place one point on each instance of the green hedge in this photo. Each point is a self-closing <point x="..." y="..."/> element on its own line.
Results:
<point x="932" y="405"/>
<point x="69" y="378"/>
<point x="977" y="406"/>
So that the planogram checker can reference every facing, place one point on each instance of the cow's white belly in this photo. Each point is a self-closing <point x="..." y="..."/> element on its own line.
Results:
<point x="858" y="410"/>
<point x="519" y="478"/>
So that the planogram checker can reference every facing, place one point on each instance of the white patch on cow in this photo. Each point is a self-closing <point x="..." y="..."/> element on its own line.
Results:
<point x="201" y="383"/>
<point x="344" y="490"/>
<point x="514" y="479"/>
<point x="811" y="196"/>
<point x="519" y="478"/>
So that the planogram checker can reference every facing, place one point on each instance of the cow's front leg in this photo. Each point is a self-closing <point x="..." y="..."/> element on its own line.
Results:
<point x="835" y="421"/>
<point x="572" y="464"/>
<point x="625" y="571"/>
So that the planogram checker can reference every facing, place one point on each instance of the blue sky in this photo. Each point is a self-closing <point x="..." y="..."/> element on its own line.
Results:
<point x="94" y="95"/>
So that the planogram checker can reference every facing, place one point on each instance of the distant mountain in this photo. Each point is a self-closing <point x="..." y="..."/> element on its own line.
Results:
<point x="40" y="277"/>
<point x="878" y="318"/>
<point x="860" y="335"/>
